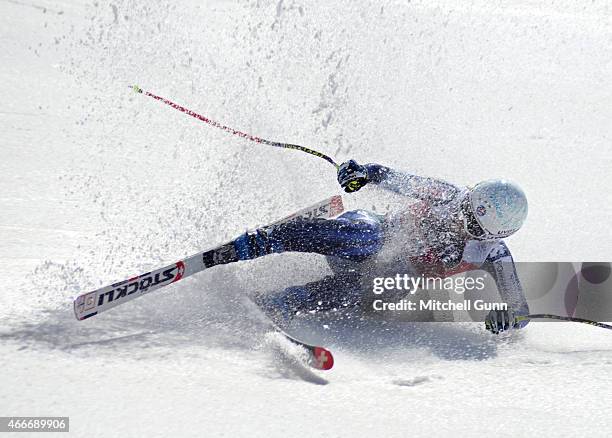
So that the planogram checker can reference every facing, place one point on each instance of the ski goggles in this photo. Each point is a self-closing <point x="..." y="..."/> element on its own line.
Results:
<point x="470" y="224"/>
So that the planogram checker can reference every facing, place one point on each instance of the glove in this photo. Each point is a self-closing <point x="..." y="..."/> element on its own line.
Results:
<point x="352" y="176"/>
<point x="498" y="321"/>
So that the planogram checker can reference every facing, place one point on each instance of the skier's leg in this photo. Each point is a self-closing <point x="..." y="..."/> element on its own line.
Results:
<point x="354" y="235"/>
<point x="334" y="292"/>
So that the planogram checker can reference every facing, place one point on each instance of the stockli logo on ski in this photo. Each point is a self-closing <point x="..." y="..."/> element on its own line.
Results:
<point x="88" y="305"/>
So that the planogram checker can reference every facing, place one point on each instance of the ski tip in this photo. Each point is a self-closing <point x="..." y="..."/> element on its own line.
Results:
<point x="136" y="88"/>
<point x="322" y="359"/>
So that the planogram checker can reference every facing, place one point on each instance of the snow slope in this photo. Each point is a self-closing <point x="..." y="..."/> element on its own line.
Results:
<point x="98" y="184"/>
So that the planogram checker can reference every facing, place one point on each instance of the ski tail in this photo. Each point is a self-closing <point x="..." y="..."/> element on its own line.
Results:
<point x="319" y="358"/>
<point x="100" y="300"/>
<point x="316" y="357"/>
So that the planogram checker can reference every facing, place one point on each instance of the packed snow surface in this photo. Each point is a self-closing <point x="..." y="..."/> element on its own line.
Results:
<point x="99" y="184"/>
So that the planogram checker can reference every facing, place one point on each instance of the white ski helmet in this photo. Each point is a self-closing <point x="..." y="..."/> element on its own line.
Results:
<point x="494" y="209"/>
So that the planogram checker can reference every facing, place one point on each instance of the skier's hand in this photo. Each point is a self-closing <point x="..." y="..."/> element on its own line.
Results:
<point x="498" y="321"/>
<point x="352" y="176"/>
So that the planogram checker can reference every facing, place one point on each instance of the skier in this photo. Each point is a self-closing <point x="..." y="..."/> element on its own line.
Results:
<point x="449" y="230"/>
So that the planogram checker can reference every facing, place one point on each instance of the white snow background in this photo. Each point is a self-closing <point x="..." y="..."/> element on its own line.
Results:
<point x="98" y="184"/>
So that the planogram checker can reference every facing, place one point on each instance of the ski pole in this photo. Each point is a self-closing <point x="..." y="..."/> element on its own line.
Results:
<point x="564" y="318"/>
<point x="233" y="131"/>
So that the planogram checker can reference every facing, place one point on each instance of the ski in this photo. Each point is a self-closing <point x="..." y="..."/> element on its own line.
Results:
<point x="318" y="357"/>
<point x="100" y="300"/>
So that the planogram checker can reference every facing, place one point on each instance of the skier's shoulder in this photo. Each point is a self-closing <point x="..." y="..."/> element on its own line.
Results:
<point x="435" y="190"/>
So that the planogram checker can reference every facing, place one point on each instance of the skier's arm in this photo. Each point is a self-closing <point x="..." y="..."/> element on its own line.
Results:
<point x="500" y="265"/>
<point x="412" y="186"/>
<point x="353" y="176"/>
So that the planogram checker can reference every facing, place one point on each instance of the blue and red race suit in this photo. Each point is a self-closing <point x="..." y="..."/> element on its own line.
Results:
<point x="426" y="239"/>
